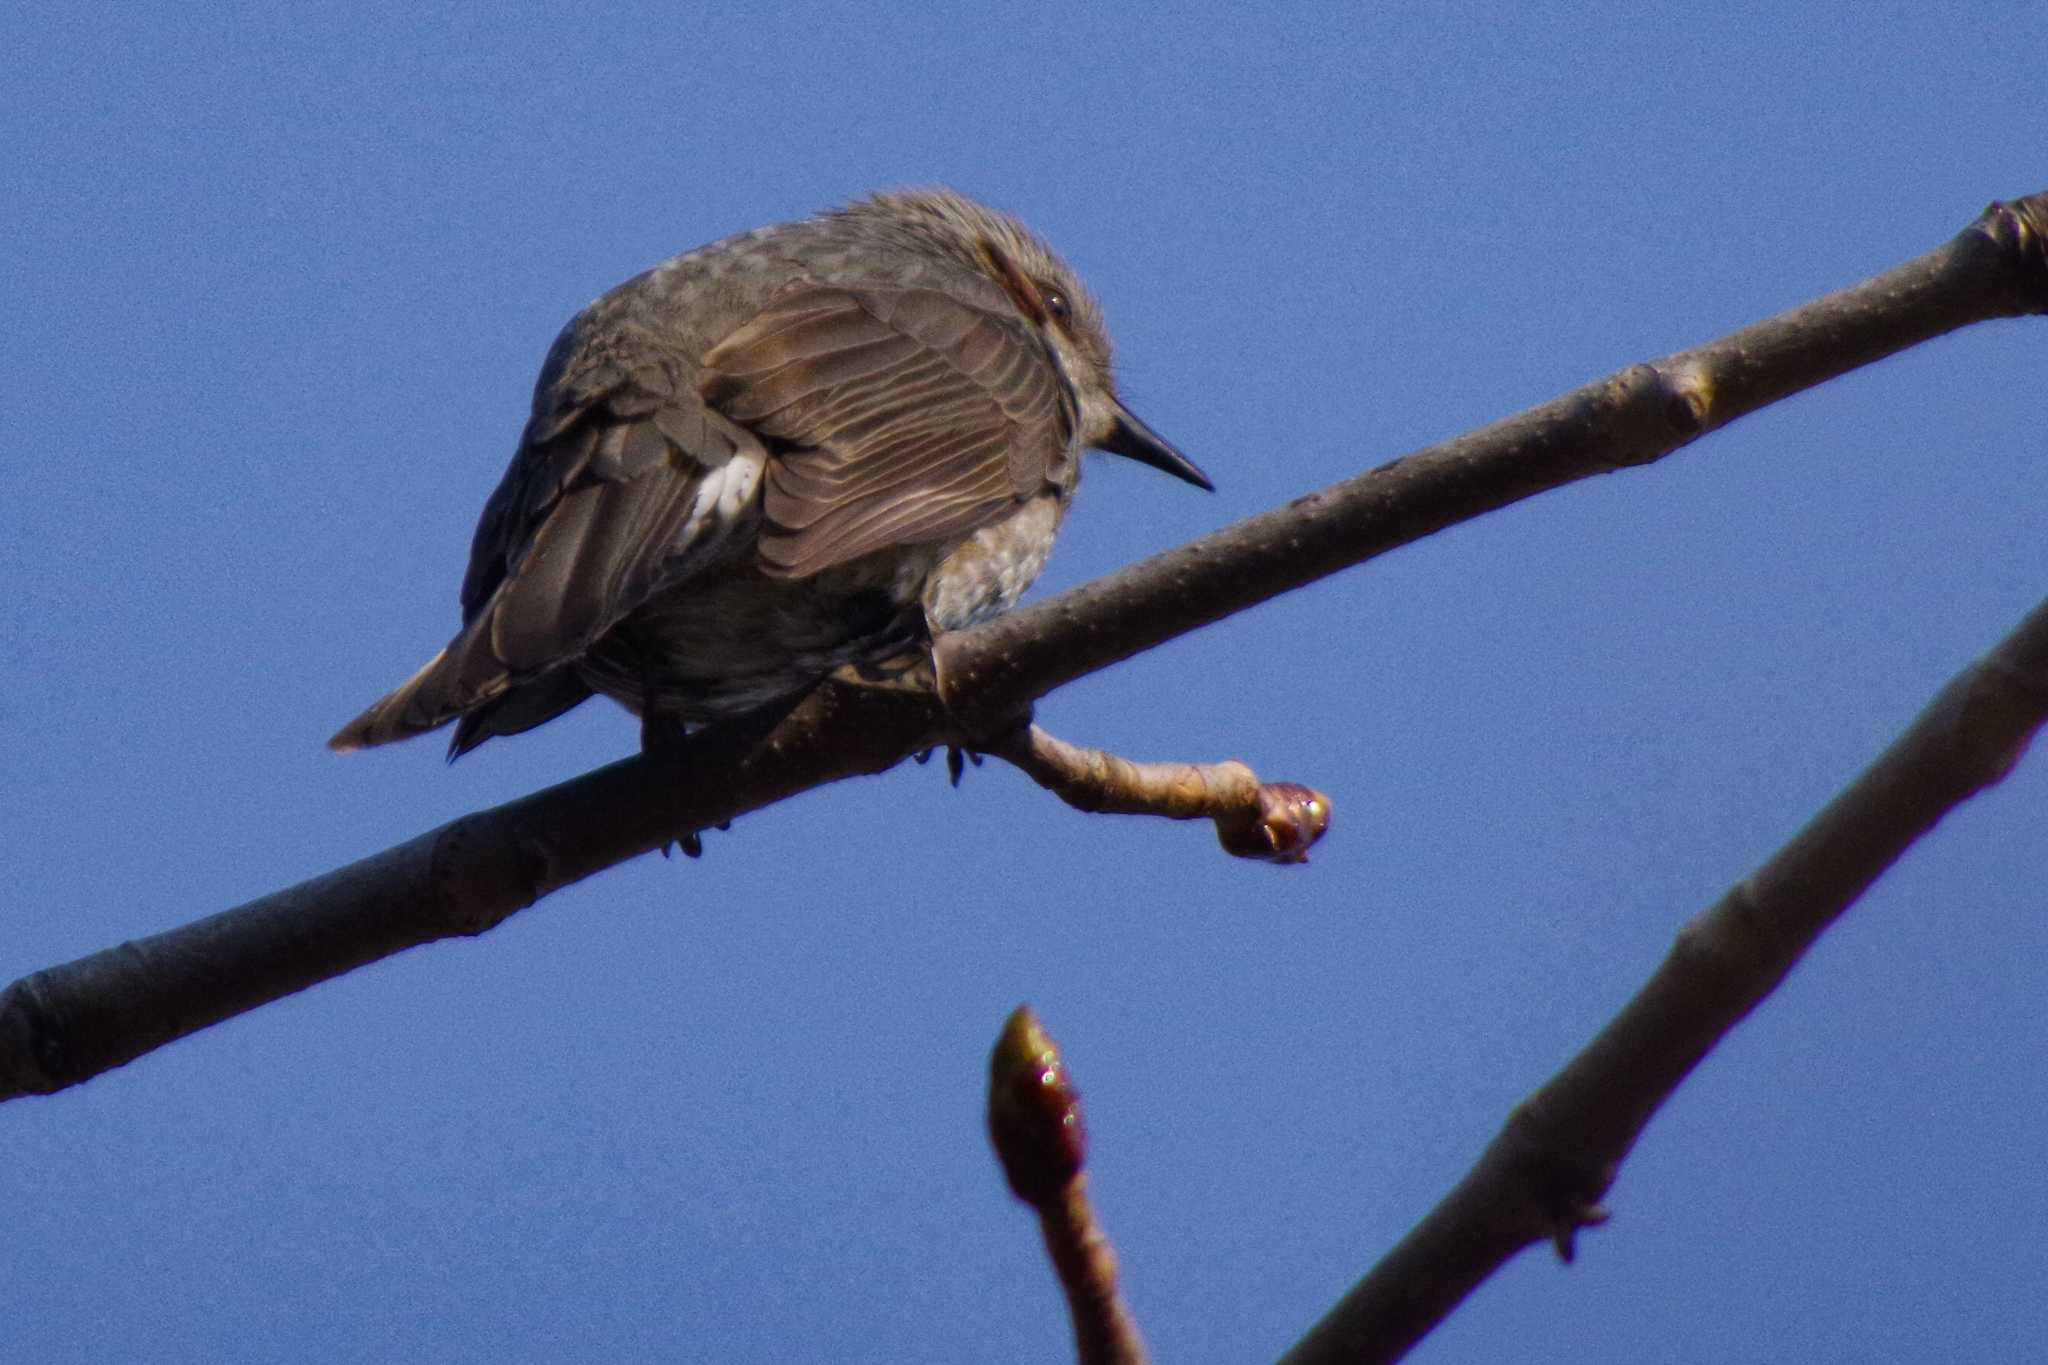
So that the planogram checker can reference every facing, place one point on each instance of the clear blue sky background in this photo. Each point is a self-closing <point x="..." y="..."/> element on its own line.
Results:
<point x="277" y="282"/>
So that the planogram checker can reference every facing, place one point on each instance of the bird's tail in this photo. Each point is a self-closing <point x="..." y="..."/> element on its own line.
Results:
<point x="419" y="704"/>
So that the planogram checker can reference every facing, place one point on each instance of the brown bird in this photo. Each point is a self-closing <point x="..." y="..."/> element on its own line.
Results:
<point x="803" y="446"/>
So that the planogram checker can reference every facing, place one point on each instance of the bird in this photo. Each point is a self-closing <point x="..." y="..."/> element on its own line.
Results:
<point x="813" y="444"/>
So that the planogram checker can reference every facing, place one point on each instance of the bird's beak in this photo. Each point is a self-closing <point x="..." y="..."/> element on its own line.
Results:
<point x="1132" y="439"/>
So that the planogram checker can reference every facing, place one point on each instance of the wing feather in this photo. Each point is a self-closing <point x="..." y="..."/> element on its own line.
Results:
<point x="623" y="476"/>
<point x="896" y="415"/>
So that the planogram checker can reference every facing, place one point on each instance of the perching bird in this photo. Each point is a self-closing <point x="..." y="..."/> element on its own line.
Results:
<point x="800" y="447"/>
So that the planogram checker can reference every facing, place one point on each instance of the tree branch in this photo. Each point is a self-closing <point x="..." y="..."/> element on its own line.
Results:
<point x="1997" y="267"/>
<point x="1274" y="822"/>
<point x="1034" y="1122"/>
<point x="1542" y="1178"/>
<point x="64" y="1024"/>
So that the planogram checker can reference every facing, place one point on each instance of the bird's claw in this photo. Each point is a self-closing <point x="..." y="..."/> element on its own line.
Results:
<point x="957" y="759"/>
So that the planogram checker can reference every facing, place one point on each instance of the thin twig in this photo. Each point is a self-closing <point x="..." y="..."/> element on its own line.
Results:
<point x="1034" y="1122"/>
<point x="1273" y="822"/>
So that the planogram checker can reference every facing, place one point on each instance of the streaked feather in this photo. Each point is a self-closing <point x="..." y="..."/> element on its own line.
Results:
<point x="901" y="416"/>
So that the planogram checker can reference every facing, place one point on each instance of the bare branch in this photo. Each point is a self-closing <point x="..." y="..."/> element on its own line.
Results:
<point x="1542" y="1178"/>
<point x="1034" y="1122"/>
<point x="64" y="1024"/>
<point x="1273" y="822"/>
<point x="1997" y="267"/>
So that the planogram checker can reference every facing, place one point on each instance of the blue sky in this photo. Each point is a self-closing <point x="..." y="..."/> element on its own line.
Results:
<point x="278" y="284"/>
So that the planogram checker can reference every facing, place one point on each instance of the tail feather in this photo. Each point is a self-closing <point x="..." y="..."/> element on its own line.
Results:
<point x="519" y="710"/>
<point x="465" y="682"/>
<point x="503" y="673"/>
<point x="419" y="704"/>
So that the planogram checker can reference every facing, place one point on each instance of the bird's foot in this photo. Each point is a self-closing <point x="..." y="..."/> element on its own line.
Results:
<point x="957" y="759"/>
<point x="692" y="844"/>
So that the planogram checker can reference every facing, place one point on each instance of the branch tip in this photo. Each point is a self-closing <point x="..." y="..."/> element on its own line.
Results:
<point x="1034" y="1112"/>
<point x="1281" y="825"/>
<point x="1274" y="822"/>
<point x="1034" y="1120"/>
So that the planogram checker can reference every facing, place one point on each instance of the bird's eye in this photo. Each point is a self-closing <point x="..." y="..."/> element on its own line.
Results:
<point x="1056" y="305"/>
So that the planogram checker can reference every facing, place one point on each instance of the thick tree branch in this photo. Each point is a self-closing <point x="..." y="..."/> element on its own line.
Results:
<point x="60" y="1026"/>
<point x="1997" y="267"/>
<point x="1543" y="1177"/>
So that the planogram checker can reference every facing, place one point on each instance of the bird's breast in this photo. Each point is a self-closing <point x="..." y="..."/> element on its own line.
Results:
<point x="986" y="573"/>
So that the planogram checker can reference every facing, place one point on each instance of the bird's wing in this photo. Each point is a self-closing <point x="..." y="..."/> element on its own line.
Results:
<point x="624" y="474"/>
<point x="894" y="416"/>
<point x="623" y="471"/>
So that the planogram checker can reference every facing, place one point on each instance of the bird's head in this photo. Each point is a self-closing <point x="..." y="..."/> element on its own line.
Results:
<point x="1051" y="298"/>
